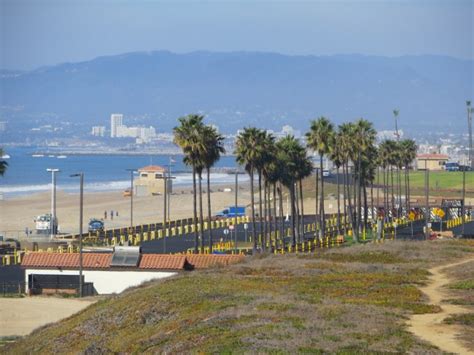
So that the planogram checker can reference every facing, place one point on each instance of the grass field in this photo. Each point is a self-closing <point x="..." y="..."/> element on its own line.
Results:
<point x="344" y="300"/>
<point x="442" y="183"/>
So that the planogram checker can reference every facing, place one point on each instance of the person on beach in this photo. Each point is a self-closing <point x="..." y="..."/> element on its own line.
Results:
<point x="112" y="214"/>
<point x="105" y="214"/>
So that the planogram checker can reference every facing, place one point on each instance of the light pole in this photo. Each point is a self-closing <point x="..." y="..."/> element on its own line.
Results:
<point x="236" y="191"/>
<point x="427" y="214"/>
<point x="470" y="110"/>
<point x="52" y="224"/>
<point x="166" y="177"/>
<point x="132" y="171"/>
<point x="463" y="201"/>
<point x="81" y="208"/>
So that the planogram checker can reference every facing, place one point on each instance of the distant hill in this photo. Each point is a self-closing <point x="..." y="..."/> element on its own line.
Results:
<point x="242" y="88"/>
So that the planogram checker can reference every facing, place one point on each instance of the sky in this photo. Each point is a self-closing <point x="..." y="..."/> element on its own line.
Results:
<point x="35" y="33"/>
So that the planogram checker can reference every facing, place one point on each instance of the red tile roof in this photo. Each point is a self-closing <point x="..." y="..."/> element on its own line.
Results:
<point x="66" y="260"/>
<point x="162" y="261"/>
<point x="200" y="261"/>
<point x="147" y="261"/>
<point x="433" y="156"/>
<point x="152" y="168"/>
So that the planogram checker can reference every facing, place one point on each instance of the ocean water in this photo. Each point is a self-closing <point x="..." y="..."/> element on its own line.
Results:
<point x="27" y="174"/>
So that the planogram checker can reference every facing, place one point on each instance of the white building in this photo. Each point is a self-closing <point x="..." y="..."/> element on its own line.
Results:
<point x="98" y="131"/>
<point x="116" y="121"/>
<point x="107" y="273"/>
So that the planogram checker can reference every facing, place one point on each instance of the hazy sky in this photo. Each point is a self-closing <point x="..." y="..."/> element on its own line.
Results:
<point x="44" y="32"/>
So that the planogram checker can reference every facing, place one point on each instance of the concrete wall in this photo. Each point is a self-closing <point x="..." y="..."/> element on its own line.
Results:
<point x="106" y="282"/>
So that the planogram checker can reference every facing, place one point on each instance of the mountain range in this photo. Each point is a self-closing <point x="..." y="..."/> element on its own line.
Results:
<point x="236" y="89"/>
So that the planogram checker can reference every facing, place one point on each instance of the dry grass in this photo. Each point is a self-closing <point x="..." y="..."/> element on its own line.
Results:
<point x="347" y="300"/>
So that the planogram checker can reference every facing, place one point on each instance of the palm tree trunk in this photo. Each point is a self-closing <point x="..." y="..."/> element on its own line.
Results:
<point x="408" y="188"/>
<point x="338" y="203"/>
<point x="297" y="213"/>
<point x="372" y="213"/>
<point x="196" y="237"/>
<point x="366" y="207"/>
<point x="344" y="186"/>
<point x="351" y="210"/>
<point x="260" y="212"/>
<point x="323" y="218"/>
<point x="359" y="195"/>
<point x="252" y="201"/>
<point x="209" y="215"/>
<point x="201" y="217"/>
<point x="392" y="189"/>
<point x="265" y="214"/>
<point x="316" y="202"/>
<point x="275" y="217"/>
<point x="293" y="212"/>
<point x="302" y="208"/>
<point x="282" y="221"/>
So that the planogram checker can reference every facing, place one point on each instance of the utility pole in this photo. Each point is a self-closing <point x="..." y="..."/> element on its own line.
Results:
<point x="165" y="177"/>
<point x="53" y="224"/>
<point x="427" y="213"/>
<point x="469" y="125"/>
<point x="235" y="217"/>
<point x="463" y="200"/>
<point x="81" y="208"/>
<point x="132" y="171"/>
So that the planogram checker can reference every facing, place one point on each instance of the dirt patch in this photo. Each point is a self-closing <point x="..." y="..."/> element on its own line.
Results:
<point x="20" y="316"/>
<point x="432" y="327"/>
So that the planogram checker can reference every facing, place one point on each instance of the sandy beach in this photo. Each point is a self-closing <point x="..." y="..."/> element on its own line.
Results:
<point x="18" y="213"/>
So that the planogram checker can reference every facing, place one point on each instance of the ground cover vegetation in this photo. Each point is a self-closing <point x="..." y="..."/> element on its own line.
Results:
<point x="343" y="300"/>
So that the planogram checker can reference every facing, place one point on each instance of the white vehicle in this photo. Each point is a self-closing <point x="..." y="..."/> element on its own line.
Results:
<point x="43" y="224"/>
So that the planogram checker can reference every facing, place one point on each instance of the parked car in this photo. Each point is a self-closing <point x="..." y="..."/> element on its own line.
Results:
<point x="96" y="225"/>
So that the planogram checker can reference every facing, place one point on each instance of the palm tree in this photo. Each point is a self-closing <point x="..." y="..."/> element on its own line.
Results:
<point x="395" y="115"/>
<point x="3" y="164"/>
<point x="266" y="142"/>
<point x="320" y="138"/>
<point x="188" y="136"/>
<point x="290" y="153"/>
<point x="249" y="153"/>
<point x="337" y="157"/>
<point x="345" y="144"/>
<point x="215" y="147"/>
<point x="304" y="170"/>
<point x="385" y="158"/>
<point x="408" y="148"/>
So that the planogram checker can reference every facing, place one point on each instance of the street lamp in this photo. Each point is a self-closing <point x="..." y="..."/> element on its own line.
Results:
<point x="81" y="207"/>
<point x="165" y="177"/>
<point x="52" y="224"/>
<point x="132" y="171"/>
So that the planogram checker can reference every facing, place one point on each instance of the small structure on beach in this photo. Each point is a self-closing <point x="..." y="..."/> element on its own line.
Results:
<point x="106" y="273"/>
<point x="151" y="181"/>
<point x="431" y="161"/>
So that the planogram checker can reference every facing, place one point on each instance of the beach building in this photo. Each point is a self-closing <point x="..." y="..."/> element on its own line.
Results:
<point x="110" y="272"/>
<point x="431" y="161"/>
<point x="151" y="181"/>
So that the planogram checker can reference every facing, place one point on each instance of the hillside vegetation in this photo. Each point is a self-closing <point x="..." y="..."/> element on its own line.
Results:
<point x="344" y="300"/>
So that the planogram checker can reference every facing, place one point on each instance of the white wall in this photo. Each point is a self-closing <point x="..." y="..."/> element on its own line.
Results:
<point x="106" y="282"/>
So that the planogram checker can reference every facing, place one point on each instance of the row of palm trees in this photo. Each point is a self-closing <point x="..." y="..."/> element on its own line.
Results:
<point x="280" y="166"/>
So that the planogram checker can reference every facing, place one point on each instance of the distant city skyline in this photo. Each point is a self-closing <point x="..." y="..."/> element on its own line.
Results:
<point x="38" y="33"/>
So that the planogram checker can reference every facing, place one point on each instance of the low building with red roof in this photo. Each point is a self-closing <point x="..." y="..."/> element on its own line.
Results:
<point x="106" y="273"/>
